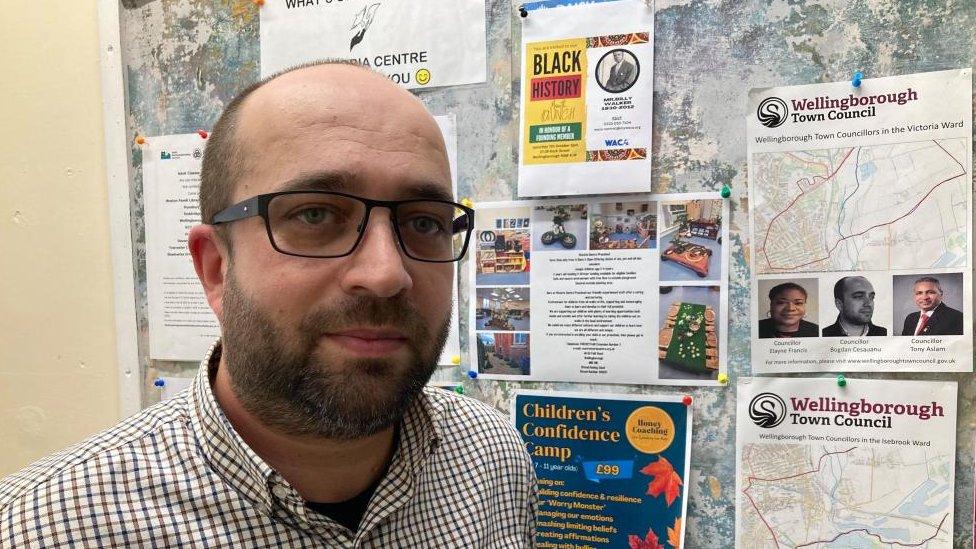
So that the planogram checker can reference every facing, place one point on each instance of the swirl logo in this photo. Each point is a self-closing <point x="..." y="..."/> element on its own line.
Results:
<point x="767" y="410"/>
<point x="772" y="112"/>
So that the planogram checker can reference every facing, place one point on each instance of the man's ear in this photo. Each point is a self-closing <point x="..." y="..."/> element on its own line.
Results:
<point x="839" y="303"/>
<point x="210" y="259"/>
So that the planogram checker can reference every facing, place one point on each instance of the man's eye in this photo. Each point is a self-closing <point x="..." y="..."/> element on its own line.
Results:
<point x="425" y="225"/>
<point x="313" y="216"/>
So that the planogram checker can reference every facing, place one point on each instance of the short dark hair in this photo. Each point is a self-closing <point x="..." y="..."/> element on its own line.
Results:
<point x="839" y="287"/>
<point x="930" y="280"/>
<point x="780" y="288"/>
<point x="224" y="155"/>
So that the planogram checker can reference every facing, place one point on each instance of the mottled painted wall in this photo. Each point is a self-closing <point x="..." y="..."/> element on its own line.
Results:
<point x="58" y="366"/>
<point x="185" y="58"/>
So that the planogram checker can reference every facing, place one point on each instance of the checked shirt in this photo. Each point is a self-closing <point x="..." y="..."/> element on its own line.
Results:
<point x="178" y="475"/>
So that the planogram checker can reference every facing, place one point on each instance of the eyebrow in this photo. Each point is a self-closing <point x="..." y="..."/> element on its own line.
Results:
<point x="343" y="181"/>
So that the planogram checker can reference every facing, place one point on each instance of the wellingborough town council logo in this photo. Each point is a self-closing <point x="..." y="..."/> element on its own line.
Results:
<point x="772" y="112"/>
<point x="767" y="410"/>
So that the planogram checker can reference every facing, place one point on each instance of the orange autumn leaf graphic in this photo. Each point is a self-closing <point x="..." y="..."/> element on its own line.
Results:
<point x="649" y="542"/>
<point x="674" y="534"/>
<point x="665" y="480"/>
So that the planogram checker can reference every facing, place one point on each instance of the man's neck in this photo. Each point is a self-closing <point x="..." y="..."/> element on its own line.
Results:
<point x="853" y="330"/>
<point x="320" y="469"/>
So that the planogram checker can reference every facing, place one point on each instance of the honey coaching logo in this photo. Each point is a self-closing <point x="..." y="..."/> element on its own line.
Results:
<point x="767" y="410"/>
<point x="772" y="112"/>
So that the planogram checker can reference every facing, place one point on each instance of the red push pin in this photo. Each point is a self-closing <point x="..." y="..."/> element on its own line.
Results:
<point x="687" y="400"/>
<point x="258" y="3"/>
<point x="140" y="140"/>
<point x="202" y="134"/>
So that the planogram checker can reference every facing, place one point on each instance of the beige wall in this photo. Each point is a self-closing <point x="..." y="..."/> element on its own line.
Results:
<point x="57" y="336"/>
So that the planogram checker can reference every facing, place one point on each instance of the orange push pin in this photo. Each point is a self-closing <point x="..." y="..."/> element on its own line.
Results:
<point x="258" y="3"/>
<point x="202" y="134"/>
<point x="140" y="140"/>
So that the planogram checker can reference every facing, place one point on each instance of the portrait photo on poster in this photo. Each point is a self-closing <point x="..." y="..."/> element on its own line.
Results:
<point x="788" y="308"/>
<point x="929" y="304"/>
<point x="861" y="301"/>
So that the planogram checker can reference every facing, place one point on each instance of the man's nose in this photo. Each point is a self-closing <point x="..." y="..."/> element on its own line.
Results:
<point x="377" y="266"/>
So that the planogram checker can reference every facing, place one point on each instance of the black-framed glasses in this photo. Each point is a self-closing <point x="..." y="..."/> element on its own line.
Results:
<point x="330" y="224"/>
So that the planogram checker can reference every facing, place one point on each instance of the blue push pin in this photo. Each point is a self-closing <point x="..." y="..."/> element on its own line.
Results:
<point x="472" y="374"/>
<point x="523" y="12"/>
<point x="856" y="81"/>
<point x="160" y="382"/>
<point x="841" y="380"/>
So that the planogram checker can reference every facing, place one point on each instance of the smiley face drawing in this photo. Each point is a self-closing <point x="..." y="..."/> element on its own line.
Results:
<point x="423" y="77"/>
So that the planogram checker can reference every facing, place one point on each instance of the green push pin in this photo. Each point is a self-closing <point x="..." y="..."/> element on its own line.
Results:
<point x="726" y="191"/>
<point x="841" y="381"/>
<point x="459" y="390"/>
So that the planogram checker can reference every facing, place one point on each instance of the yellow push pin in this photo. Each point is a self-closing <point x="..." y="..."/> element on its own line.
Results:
<point x="723" y="378"/>
<point x="140" y="140"/>
<point x="466" y="202"/>
<point x="456" y="359"/>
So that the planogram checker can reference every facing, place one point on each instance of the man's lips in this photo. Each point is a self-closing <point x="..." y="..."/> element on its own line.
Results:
<point x="368" y="341"/>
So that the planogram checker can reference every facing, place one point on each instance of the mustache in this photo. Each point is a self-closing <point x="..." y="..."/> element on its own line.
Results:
<point x="359" y="311"/>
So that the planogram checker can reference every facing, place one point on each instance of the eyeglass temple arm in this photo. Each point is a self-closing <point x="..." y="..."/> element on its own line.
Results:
<point x="463" y="223"/>
<point x="241" y="210"/>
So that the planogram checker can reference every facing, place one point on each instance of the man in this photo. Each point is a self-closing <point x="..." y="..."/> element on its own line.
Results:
<point x="328" y="261"/>
<point x="854" y="298"/>
<point x="933" y="317"/>
<point x="622" y="73"/>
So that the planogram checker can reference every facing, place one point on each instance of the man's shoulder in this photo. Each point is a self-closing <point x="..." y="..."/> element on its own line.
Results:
<point x="105" y="451"/>
<point x="948" y="311"/>
<point x="473" y="423"/>
<point x="834" y="330"/>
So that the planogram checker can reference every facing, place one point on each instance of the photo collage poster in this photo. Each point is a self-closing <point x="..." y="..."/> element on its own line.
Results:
<point x="624" y="289"/>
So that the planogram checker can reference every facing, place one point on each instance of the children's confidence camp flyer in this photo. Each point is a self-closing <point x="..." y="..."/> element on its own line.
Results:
<point x="612" y="469"/>
<point x="587" y="87"/>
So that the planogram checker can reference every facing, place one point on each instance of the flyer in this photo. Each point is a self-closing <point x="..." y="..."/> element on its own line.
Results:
<point x="416" y="44"/>
<point x="861" y="222"/>
<point x="181" y="324"/>
<point x="587" y="96"/>
<point x="607" y="289"/>
<point x="869" y="464"/>
<point x="612" y="469"/>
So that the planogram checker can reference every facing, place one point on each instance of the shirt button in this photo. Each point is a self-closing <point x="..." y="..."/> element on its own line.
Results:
<point x="280" y="492"/>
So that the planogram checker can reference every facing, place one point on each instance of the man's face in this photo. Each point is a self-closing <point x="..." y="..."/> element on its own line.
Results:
<point x="618" y="56"/>
<point x="927" y="295"/>
<point x="856" y="306"/>
<point x="335" y="347"/>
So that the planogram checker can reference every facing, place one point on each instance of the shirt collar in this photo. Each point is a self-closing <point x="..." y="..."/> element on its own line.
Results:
<point x="231" y="458"/>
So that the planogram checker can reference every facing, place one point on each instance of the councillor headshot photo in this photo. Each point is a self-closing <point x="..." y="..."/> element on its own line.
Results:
<point x="788" y="309"/>
<point x="932" y="315"/>
<point x="617" y="71"/>
<point x="854" y="298"/>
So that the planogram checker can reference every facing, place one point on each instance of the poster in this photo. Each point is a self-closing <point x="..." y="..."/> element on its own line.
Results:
<point x="181" y="324"/>
<point x="612" y="469"/>
<point x="860" y="206"/>
<point x="607" y="289"/>
<point x="871" y="464"/>
<point x="587" y="95"/>
<point x="416" y="44"/>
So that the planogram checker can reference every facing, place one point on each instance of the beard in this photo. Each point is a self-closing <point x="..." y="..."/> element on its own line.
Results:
<point x="295" y="387"/>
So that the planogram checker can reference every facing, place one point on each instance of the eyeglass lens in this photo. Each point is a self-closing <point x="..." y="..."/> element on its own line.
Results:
<point x="327" y="225"/>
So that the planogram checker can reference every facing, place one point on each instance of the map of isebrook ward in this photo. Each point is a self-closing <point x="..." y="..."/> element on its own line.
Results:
<point x="882" y="207"/>
<point x="807" y="496"/>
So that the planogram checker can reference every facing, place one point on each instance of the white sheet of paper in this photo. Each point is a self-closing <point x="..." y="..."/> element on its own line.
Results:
<point x="587" y="89"/>
<point x="571" y="290"/>
<point x="173" y="385"/>
<point x="452" y="348"/>
<point x="862" y="189"/>
<point x="181" y="324"/>
<point x="869" y="464"/>
<point x="416" y="44"/>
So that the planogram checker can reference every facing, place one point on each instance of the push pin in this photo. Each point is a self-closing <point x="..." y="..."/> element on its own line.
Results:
<point x="456" y="359"/>
<point x="687" y="400"/>
<point x="258" y="3"/>
<point x="473" y="374"/>
<point x="140" y="140"/>
<point x="523" y="12"/>
<point x="841" y="380"/>
<point x="466" y="202"/>
<point x="723" y="379"/>
<point x="459" y="390"/>
<point x="202" y="134"/>
<point x="726" y="191"/>
<point x="159" y="382"/>
<point x="856" y="81"/>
